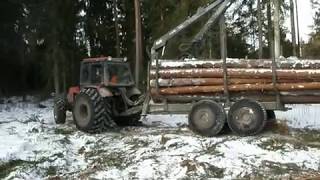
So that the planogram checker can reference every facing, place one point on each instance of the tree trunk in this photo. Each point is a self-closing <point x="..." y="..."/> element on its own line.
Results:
<point x="139" y="52"/>
<point x="260" y="29"/>
<point x="56" y="76"/>
<point x="293" y="29"/>
<point x="277" y="44"/>
<point x="270" y="31"/>
<point x="298" y="30"/>
<point x="23" y="72"/>
<point x="116" y="24"/>
<point x="64" y="76"/>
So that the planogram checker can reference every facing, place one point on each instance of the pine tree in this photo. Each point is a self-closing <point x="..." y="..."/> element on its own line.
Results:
<point x="311" y="50"/>
<point x="12" y="47"/>
<point x="316" y="18"/>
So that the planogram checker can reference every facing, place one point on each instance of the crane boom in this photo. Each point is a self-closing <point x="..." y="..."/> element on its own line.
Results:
<point x="161" y="42"/>
<point x="224" y="6"/>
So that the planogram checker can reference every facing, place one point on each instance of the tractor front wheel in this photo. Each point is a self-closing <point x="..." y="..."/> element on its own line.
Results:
<point x="60" y="108"/>
<point x="92" y="113"/>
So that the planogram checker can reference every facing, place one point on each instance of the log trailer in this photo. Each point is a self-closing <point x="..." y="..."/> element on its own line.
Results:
<point x="240" y="93"/>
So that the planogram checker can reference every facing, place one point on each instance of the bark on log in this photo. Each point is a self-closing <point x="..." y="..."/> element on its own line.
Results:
<point x="237" y="88"/>
<point x="306" y="74"/>
<point x="237" y="63"/>
<point x="244" y="94"/>
<point x="211" y="82"/>
<point x="286" y="99"/>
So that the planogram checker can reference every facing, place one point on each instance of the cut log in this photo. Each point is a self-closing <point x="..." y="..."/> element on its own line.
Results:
<point x="286" y="99"/>
<point x="306" y="74"/>
<point x="211" y="82"/>
<point x="238" y="63"/>
<point x="236" y="88"/>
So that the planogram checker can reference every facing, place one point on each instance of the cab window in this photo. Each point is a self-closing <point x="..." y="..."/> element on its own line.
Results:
<point x="84" y="77"/>
<point x="119" y="74"/>
<point x="96" y="73"/>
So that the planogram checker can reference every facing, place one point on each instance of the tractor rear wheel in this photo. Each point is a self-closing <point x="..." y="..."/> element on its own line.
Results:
<point x="60" y="108"/>
<point x="92" y="113"/>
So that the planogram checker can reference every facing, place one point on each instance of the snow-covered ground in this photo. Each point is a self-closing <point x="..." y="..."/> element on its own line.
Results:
<point x="33" y="147"/>
<point x="302" y="116"/>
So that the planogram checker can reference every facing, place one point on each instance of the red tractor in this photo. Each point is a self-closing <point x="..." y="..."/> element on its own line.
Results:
<point x="106" y="97"/>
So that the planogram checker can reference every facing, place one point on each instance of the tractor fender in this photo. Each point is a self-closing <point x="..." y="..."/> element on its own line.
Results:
<point x="105" y="92"/>
<point x="133" y="91"/>
<point x="72" y="92"/>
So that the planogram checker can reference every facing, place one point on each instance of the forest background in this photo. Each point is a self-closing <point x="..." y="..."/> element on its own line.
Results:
<point x="43" y="41"/>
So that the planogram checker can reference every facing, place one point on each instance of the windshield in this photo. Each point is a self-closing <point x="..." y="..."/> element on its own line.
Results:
<point x="119" y="74"/>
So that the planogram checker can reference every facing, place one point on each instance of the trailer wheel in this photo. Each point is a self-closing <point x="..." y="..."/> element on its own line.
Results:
<point x="60" y="108"/>
<point x="247" y="117"/>
<point x="271" y="115"/>
<point x="207" y="118"/>
<point x="92" y="113"/>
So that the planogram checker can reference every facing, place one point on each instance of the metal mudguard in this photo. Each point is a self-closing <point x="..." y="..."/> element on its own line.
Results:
<point x="72" y="92"/>
<point x="133" y="91"/>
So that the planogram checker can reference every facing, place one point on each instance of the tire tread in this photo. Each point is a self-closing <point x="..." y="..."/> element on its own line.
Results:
<point x="103" y="119"/>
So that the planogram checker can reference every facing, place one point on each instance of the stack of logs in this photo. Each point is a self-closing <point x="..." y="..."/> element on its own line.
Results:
<point x="298" y="81"/>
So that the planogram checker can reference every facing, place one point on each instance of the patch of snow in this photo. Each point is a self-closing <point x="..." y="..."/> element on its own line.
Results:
<point x="301" y="116"/>
<point x="27" y="133"/>
<point x="163" y="149"/>
<point x="166" y="120"/>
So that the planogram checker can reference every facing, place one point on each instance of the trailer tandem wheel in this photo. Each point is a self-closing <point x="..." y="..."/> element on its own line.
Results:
<point x="207" y="118"/>
<point x="247" y="117"/>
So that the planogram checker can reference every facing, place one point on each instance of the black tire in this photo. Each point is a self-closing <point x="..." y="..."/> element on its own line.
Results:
<point x="247" y="117"/>
<point x="60" y="109"/>
<point x="271" y="115"/>
<point x="207" y="118"/>
<point x="92" y="113"/>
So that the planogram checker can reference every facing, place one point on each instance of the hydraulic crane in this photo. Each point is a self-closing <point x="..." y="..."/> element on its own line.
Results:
<point x="217" y="8"/>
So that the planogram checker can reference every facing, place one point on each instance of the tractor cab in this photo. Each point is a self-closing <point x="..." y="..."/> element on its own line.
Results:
<point x="106" y="71"/>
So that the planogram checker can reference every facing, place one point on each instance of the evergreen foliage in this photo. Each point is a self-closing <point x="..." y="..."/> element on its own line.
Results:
<point x="43" y="41"/>
<point x="311" y="49"/>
